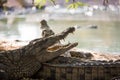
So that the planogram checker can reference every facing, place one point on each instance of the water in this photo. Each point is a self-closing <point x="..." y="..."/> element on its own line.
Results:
<point x="106" y="38"/>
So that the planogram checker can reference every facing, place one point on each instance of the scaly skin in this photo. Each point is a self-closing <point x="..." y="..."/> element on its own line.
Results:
<point x="71" y="68"/>
<point x="26" y="61"/>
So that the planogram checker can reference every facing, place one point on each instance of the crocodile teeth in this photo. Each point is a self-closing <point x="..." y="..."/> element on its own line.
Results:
<point x="57" y="47"/>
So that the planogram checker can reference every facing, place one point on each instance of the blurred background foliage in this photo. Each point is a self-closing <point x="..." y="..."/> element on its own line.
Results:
<point x="73" y="4"/>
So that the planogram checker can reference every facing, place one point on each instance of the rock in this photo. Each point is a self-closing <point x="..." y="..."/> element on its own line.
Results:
<point x="111" y="61"/>
<point x="77" y="54"/>
<point x="93" y="26"/>
<point x="80" y="54"/>
<point x="89" y="55"/>
<point x="11" y="45"/>
<point x="117" y="60"/>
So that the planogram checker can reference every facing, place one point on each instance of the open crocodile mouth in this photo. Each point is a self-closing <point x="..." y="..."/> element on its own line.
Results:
<point x="65" y="47"/>
<point x="57" y="46"/>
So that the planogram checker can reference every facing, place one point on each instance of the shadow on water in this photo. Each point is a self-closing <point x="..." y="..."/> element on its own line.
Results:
<point x="104" y="39"/>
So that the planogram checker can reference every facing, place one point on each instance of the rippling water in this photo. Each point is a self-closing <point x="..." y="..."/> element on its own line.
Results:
<point x="106" y="38"/>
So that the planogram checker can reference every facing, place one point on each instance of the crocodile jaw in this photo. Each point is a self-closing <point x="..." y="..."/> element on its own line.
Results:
<point x="51" y="40"/>
<point x="51" y="54"/>
<point x="45" y="54"/>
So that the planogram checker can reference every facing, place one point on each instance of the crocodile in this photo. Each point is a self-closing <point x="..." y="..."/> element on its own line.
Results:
<point x="26" y="61"/>
<point x="72" y="68"/>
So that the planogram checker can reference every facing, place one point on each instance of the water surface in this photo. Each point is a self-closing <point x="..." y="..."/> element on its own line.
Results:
<point x="106" y="38"/>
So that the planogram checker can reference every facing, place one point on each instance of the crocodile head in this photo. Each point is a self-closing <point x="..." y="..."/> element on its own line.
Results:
<point x="25" y="61"/>
<point x="46" y="49"/>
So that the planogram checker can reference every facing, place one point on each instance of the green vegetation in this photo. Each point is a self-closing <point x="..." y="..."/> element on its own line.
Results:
<point x="73" y="4"/>
<point x="76" y="4"/>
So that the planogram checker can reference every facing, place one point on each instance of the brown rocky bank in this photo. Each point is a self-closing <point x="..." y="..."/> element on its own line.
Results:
<point x="75" y="52"/>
